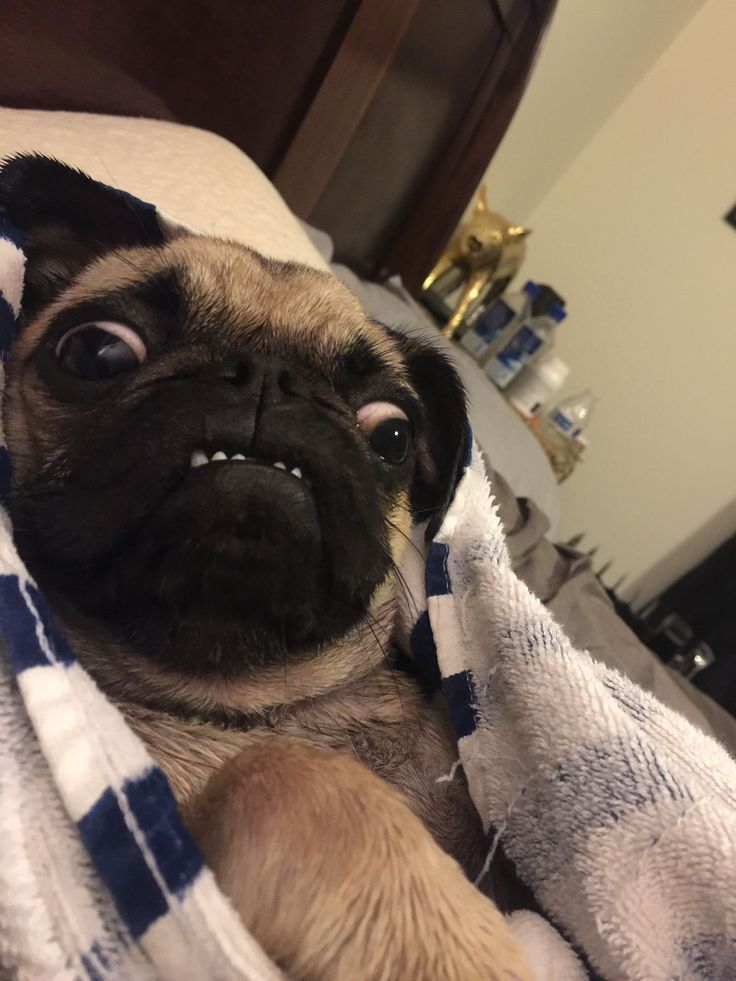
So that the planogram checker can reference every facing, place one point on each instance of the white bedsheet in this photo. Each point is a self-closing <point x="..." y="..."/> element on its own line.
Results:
<point x="196" y="177"/>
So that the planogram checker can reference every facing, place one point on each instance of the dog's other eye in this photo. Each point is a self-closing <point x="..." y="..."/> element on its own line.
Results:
<point x="387" y="430"/>
<point x="100" y="350"/>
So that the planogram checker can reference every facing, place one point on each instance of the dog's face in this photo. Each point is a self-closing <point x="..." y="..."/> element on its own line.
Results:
<point x="217" y="455"/>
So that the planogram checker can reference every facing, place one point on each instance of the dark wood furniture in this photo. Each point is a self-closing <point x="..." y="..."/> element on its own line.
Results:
<point x="375" y="118"/>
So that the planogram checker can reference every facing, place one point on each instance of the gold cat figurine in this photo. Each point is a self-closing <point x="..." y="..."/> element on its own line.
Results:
<point x="484" y="251"/>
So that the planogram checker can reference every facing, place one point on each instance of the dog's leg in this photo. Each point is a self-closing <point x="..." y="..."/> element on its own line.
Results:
<point x="335" y="876"/>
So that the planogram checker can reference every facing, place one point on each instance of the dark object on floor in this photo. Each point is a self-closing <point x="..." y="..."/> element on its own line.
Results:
<point x="694" y="625"/>
<point x="595" y="621"/>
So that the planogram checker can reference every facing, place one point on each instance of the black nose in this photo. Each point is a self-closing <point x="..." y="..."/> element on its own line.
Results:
<point x="260" y="375"/>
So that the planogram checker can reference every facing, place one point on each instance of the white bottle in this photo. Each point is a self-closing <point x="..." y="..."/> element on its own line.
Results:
<point x="537" y="383"/>
<point x="561" y="432"/>
<point x="570" y="416"/>
<point x="493" y="325"/>
<point x="525" y="346"/>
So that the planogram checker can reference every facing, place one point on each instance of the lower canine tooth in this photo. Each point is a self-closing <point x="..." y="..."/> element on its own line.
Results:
<point x="237" y="456"/>
<point x="199" y="458"/>
<point x="297" y="472"/>
<point x="219" y="456"/>
<point x="280" y="466"/>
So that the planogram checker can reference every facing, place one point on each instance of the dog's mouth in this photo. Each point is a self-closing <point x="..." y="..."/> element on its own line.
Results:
<point x="228" y="487"/>
<point x="241" y="536"/>
<point x="209" y="457"/>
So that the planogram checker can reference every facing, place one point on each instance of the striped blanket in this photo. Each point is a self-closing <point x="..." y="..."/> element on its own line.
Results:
<point x="618" y="814"/>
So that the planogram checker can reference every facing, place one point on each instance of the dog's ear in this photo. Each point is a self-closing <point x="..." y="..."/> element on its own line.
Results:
<point x="65" y="220"/>
<point x="442" y="445"/>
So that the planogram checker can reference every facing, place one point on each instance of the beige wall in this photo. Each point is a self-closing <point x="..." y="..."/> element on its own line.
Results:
<point x="632" y="235"/>
<point x="594" y="53"/>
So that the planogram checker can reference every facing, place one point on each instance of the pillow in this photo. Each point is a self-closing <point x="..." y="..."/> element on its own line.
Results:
<point x="198" y="178"/>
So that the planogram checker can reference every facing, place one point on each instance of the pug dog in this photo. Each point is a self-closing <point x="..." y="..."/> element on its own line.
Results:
<point x="217" y="461"/>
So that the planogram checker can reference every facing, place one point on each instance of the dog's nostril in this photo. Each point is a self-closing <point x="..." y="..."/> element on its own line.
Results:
<point x="257" y="373"/>
<point x="283" y="380"/>
<point x="236" y="373"/>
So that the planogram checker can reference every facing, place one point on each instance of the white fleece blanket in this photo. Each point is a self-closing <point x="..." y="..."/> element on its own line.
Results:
<point x="619" y="815"/>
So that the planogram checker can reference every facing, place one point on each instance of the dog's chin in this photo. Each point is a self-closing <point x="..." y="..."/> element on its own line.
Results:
<point x="243" y="538"/>
<point x="232" y="573"/>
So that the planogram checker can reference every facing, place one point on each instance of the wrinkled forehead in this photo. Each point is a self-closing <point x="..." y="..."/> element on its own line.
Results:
<point x="227" y="295"/>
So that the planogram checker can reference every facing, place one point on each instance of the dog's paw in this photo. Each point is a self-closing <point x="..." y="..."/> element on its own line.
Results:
<point x="336" y="878"/>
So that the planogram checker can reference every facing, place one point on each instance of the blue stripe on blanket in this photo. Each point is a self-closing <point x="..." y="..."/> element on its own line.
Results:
<point x="710" y="956"/>
<point x="121" y="864"/>
<point x="95" y="963"/>
<point x="424" y="652"/>
<point x="564" y="800"/>
<point x="26" y="628"/>
<point x="92" y="973"/>
<point x="153" y="805"/>
<point x="119" y="857"/>
<point x="460" y="694"/>
<point x="628" y="697"/>
<point x="437" y="579"/>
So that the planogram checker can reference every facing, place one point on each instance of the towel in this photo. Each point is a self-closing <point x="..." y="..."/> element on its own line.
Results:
<point x="619" y="815"/>
<point x="99" y="877"/>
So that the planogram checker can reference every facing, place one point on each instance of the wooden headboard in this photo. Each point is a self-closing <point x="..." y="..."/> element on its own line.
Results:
<point x="375" y="118"/>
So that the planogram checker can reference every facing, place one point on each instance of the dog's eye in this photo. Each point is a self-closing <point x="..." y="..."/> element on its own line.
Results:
<point x="387" y="430"/>
<point x="100" y="350"/>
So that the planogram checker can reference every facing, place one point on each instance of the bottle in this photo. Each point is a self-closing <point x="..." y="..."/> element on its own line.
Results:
<point x="493" y="326"/>
<point x="526" y="346"/>
<point x="536" y="384"/>
<point x="539" y="301"/>
<point x="560" y="431"/>
<point x="572" y="415"/>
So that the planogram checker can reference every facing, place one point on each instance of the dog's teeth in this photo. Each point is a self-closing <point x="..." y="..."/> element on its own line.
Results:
<point x="199" y="458"/>
<point x="280" y="466"/>
<point x="237" y="456"/>
<point x="297" y="472"/>
<point x="219" y="456"/>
